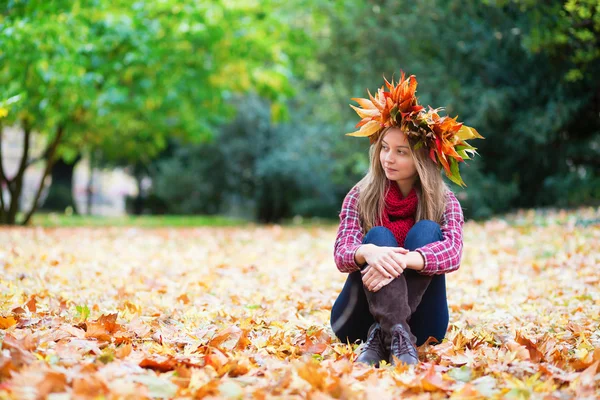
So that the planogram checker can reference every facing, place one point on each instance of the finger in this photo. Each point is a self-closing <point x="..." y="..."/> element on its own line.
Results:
<point x="367" y="279"/>
<point x="393" y="263"/>
<point x="400" y="262"/>
<point x="381" y="284"/>
<point x="401" y="250"/>
<point x="369" y="285"/>
<point x="374" y="281"/>
<point x="378" y="286"/>
<point x="391" y="266"/>
<point x="370" y="273"/>
<point x="375" y="284"/>
<point x="385" y="269"/>
<point x="365" y="270"/>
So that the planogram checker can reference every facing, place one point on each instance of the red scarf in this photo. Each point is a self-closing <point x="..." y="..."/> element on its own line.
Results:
<point x="399" y="214"/>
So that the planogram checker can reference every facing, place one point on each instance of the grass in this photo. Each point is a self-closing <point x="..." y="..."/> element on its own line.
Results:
<point x="53" y="220"/>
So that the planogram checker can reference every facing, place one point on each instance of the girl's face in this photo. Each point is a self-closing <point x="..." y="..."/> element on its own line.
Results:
<point x="396" y="158"/>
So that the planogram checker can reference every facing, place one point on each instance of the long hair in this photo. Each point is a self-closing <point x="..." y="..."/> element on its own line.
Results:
<point x="431" y="188"/>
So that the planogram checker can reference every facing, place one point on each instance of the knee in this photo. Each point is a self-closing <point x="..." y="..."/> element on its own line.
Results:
<point x="380" y="236"/>
<point x="422" y="233"/>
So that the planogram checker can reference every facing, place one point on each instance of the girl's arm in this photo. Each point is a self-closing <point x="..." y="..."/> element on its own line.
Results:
<point x="444" y="256"/>
<point x="349" y="235"/>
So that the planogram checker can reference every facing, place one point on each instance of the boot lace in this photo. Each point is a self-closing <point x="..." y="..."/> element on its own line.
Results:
<point x="402" y="344"/>
<point x="374" y="341"/>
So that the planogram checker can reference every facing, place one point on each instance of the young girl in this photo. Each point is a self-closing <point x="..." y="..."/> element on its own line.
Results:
<point x="400" y="227"/>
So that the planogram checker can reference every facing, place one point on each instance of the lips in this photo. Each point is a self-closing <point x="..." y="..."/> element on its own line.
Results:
<point x="390" y="170"/>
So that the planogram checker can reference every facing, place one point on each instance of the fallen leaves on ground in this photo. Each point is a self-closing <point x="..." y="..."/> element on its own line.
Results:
<point x="244" y="313"/>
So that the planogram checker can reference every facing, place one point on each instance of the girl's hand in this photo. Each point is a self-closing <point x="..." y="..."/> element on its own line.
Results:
<point x="373" y="280"/>
<point x="389" y="261"/>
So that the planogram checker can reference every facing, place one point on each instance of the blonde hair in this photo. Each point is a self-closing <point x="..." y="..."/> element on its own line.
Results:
<point x="431" y="188"/>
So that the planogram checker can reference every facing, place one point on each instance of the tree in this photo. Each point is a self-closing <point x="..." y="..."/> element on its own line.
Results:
<point x="101" y="74"/>
<point x="523" y="72"/>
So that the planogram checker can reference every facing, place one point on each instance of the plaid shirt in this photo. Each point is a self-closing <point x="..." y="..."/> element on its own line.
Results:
<point x="440" y="257"/>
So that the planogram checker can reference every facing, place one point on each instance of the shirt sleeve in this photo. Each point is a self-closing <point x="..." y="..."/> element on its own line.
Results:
<point x="444" y="256"/>
<point x="349" y="235"/>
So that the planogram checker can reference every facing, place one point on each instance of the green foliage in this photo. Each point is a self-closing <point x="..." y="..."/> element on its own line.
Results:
<point x="83" y="312"/>
<point x="190" y="181"/>
<point x="254" y="167"/>
<point x="480" y="62"/>
<point x="124" y="77"/>
<point x="572" y="189"/>
<point x="255" y="95"/>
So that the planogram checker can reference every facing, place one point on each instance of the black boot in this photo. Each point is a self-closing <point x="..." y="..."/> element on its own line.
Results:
<point x="373" y="351"/>
<point x="402" y="349"/>
<point x="394" y="304"/>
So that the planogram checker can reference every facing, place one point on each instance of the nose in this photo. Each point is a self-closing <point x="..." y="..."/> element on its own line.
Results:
<point x="389" y="158"/>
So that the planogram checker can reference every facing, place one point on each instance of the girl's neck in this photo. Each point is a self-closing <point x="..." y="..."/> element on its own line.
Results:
<point x="405" y="187"/>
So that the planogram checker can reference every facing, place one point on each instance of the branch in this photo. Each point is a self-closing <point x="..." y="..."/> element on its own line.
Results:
<point x="2" y="175"/>
<point x="1" y="181"/>
<point x="23" y="163"/>
<point x="2" y="212"/>
<point x="50" y="151"/>
<point x="17" y="180"/>
<point x="36" y="159"/>
<point x="583" y="160"/>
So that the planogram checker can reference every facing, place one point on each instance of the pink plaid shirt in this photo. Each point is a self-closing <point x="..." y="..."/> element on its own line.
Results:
<point x="440" y="257"/>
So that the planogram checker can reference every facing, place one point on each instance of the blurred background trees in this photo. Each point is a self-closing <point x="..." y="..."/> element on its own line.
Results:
<point x="240" y="108"/>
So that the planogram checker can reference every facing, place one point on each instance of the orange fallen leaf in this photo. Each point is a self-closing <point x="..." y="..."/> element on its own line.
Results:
<point x="159" y="363"/>
<point x="54" y="382"/>
<point x="534" y="353"/>
<point x="432" y="381"/>
<point x="31" y="304"/>
<point x="123" y="351"/>
<point x="103" y="328"/>
<point x="7" y="322"/>
<point x="184" y="298"/>
<point x="314" y="348"/>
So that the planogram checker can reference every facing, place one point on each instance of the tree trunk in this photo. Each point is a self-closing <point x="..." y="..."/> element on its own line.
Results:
<point x="90" y="185"/>
<point x="15" y="185"/>
<point x="60" y="194"/>
<point x="273" y="205"/>
<point x="139" y="171"/>
<point x="49" y="157"/>
<point x="2" y="183"/>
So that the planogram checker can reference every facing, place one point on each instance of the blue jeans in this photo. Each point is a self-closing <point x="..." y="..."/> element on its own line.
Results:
<point x="350" y="315"/>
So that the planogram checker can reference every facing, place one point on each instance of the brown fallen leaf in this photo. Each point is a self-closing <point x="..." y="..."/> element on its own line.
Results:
<point x="313" y="348"/>
<point x="587" y="383"/>
<point x="103" y="328"/>
<point x="32" y="304"/>
<point x="53" y="382"/>
<point x="159" y="363"/>
<point x="251" y="338"/>
<point x="89" y="386"/>
<point x="534" y="353"/>
<point x="431" y="380"/>
<point x="123" y="351"/>
<point x="311" y="373"/>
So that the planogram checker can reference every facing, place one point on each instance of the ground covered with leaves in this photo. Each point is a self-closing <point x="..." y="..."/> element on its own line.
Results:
<point x="244" y="313"/>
